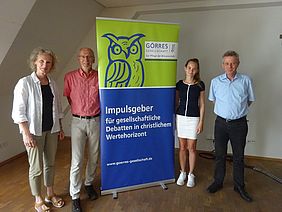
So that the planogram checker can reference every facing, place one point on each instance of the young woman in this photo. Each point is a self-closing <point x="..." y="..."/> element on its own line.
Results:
<point x="190" y="104"/>
<point x="38" y="112"/>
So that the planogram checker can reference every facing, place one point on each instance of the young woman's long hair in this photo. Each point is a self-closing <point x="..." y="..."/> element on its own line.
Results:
<point x="197" y="77"/>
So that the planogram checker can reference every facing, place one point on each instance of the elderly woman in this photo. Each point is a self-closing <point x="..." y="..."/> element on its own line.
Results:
<point x="37" y="110"/>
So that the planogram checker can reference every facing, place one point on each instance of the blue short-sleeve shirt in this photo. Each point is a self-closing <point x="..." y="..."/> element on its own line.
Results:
<point x="231" y="97"/>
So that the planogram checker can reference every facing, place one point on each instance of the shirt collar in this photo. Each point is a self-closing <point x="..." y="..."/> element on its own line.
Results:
<point x="82" y="73"/>
<point x="224" y="76"/>
<point x="35" y="78"/>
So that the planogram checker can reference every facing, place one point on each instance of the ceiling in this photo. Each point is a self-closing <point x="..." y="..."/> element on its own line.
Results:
<point x="128" y="3"/>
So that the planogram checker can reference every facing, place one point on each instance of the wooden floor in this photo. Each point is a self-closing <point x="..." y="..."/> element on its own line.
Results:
<point x="267" y="194"/>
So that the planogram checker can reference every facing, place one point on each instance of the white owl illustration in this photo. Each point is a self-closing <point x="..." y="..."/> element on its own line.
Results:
<point x="125" y="68"/>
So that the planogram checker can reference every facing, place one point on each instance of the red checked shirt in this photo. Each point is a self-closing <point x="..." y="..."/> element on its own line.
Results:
<point x="83" y="92"/>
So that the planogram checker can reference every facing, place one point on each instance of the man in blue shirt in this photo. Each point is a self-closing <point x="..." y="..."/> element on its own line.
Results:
<point x="232" y="94"/>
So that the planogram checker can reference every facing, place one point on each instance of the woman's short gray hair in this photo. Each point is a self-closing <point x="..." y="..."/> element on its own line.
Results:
<point x="37" y="51"/>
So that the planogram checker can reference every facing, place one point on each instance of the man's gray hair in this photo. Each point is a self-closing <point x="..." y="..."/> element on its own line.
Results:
<point x="231" y="53"/>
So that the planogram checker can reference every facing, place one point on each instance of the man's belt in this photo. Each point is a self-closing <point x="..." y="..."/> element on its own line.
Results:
<point x="232" y="120"/>
<point x="85" y="117"/>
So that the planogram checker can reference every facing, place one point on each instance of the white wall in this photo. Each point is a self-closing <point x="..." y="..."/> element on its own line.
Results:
<point x="12" y="16"/>
<point x="47" y="26"/>
<point x="89" y="41"/>
<point x="254" y="33"/>
<point x="210" y="28"/>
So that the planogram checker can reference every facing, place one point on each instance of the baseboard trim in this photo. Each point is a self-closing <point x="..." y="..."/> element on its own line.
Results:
<point x="12" y="158"/>
<point x="263" y="158"/>
<point x="199" y="151"/>
<point x="66" y="139"/>
<point x="251" y="157"/>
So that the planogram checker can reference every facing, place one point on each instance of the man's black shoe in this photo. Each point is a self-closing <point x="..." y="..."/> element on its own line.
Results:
<point x="76" y="205"/>
<point x="243" y="193"/>
<point x="92" y="194"/>
<point x="214" y="187"/>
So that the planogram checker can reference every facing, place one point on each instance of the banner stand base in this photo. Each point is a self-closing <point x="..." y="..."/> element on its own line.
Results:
<point x="115" y="191"/>
<point x="163" y="186"/>
<point x="115" y="195"/>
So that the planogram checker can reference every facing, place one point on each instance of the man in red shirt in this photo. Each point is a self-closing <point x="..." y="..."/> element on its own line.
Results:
<point x="82" y="91"/>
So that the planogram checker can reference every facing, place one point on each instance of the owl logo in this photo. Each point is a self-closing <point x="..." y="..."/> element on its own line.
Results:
<point x="125" y="68"/>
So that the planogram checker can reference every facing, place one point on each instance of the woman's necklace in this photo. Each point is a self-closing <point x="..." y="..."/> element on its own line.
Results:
<point x="189" y="82"/>
<point x="43" y="80"/>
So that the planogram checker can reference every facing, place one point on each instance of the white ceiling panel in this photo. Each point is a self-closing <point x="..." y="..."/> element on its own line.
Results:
<point x="127" y="3"/>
